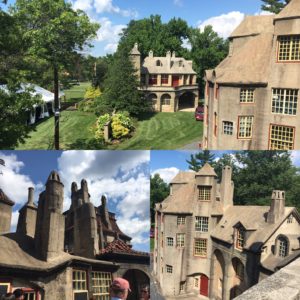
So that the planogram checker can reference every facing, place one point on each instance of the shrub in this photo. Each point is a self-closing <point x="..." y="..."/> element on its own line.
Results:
<point x="99" y="127"/>
<point x="87" y="105"/>
<point x="92" y="93"/>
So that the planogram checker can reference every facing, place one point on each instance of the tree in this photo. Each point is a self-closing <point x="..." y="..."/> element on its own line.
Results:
<point x="274" y="6"/>
<point x="208" y="50"/>
<point x="260" y="172"/>
<point x="159" y="190"/>
<point x="198" y="160"/>
<point x="121" y="86"/>
<point x="55" y="31"/>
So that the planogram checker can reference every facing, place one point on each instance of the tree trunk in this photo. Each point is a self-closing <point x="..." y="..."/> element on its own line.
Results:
<point x="56" y="109"/>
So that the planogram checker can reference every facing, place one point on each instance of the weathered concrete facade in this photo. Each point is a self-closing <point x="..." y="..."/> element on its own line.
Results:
<point x="5" y="212"/>
<point x="71" y="255"/>
<point x="206" y="245"/>
<point x="169" y="83"/>
<point x="252" y="96"/>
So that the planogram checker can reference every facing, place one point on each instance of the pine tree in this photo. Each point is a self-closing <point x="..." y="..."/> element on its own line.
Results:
<point x="200" y="159"/>
<point x="274" y="6"/>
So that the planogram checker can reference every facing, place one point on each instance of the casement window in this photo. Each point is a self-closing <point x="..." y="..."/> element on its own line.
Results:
<point x="290" y="219"/>
<point x="281" y="137"/>
<point x="196" y="282"/>
<point x="204" y="193"/>
<point x="29" y="295"/>
<point x="247" y="95"/>
<point x="164" y="79"/>
<point x="245" y="127"/>
<point x="158" y="63"/>
<point x="201" y="224"/>
<point x="153" y="79"/>
<point x="165" y="99"/>
<point x="289" y="48"/>
<point x="284" y="101"/>
<point x="80" y="288"/>
<point x="180" y="220"/>
<point x="282" y="247"/>
<point x="200" y="247"/>
<point x="239" y="238"/>
<point x="101" y="282"/>
<point x="180" y="240"/>
<point x="181" y="286"/>
<point x="170" y="241"/>
<point x="169" y="269"/>
<point x="228" y="127"/>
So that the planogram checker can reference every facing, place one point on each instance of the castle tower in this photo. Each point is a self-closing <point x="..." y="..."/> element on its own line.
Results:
<point x="277" y="207"/>
<point x="135" y="57"/>
<point x="27" y="216"/>
<point x="50" y="224"/>
<point x="5" y="212"/>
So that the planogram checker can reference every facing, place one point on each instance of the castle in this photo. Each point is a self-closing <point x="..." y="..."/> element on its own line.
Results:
<point x="168" y="83"/>
<point x="206" y="245"/>
<point x="251" y="97"/>
<point x="70" y="255"/>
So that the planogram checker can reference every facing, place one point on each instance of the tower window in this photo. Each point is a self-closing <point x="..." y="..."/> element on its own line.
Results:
<point x="204" y="193"/>
<point x="289" y="48"/>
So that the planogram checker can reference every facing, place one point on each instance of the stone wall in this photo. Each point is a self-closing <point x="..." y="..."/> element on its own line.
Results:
<point x="285" y="284"/>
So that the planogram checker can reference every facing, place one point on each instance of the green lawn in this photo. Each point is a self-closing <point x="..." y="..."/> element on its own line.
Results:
<point x="74" y="132"/>
<point x="154" y="131"/>
<point x="76" y="92"/>
<point x="164" y="131"/>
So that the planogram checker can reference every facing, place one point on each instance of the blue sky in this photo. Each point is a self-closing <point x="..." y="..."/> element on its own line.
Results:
<point x="113" y="15"/>
<point x="169" y="163"/>
<point x="123" y="176"/>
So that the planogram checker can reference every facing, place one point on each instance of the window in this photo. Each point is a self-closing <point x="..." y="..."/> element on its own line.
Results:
<point x="228" y="127"/>
<point x="170" y="241"/>
<point x="282" y="247"/>
<point x="245" y="127"/>
<point x="215" y="124"/>
<point x="181" y="286"/>
<point x="79" y="282"/>
<point x="101" y="282"/>
<point x="4" y="287"/>
<point x="240" y="238"/>
<point x="281" y="137"/>
<point x="180" y="220"/>
<point x="289" y="48"/>
<point x="204" y="193"/>
<point x="284" y="101"/>
<point x="180" y="240"/>
<point x="200" y="247"/>
<point x="158" y="63"/>
<point x="247" y="95"/>
<point x="196" y="282"/>
<point x="201" y="224"/>
<point x="169" y="269"/>
<point x="238" y="268"/>
<point x="152" y="79"/>
<point x="165" y="99"/>
<point x="164" y="79"/>
<point x="29" y="295"/>
<point x="290" y="219"/>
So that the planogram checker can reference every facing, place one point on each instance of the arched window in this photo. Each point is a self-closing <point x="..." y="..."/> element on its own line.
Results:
<point x="239" y="269"/>
<point x="158" y="63"/>
<point x="282" y="246"/>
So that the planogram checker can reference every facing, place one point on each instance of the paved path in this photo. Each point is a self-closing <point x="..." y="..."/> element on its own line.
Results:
<point x="192" y="146"/>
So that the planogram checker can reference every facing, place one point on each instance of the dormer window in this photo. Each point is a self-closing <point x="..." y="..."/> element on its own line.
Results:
<point x="158" y="63"/>
<point x="240" y="238"/>
<point x="290" y="219"/>
<point x="282" y="246"/>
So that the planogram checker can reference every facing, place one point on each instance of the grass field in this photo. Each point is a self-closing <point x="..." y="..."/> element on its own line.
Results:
<point x="164" y="131"/>
<point x="154" y="131"/>
<point x="76" y="92"/>
<point x="74" y="132"/>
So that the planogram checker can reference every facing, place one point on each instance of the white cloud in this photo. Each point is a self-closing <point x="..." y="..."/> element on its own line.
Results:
<point x="102" y="6"/>
<point x="15" y="184"/>
<point x="178" y="2"/>
<point x="166" y="174"/>
<point x="111" y="48"/>
<point x="295" y="156"/>
<point x="14" y="221"/>
<point x="85" y="5"/>
<point x="224" y="24"/>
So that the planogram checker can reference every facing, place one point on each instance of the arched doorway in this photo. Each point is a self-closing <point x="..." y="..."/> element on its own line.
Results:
<point x="165" y="101"/>
<point x="218" y="275"/>
<point x="137" y="279"/>
<point x="186" y="101"/>
<point x="152" y="101"/>
<point x="203" y="285"/>
<point x="238" y="278"/>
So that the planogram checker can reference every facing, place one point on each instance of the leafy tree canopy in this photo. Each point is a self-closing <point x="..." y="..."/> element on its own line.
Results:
<point x="159" y="190"/>
<point x="274" y="6"/>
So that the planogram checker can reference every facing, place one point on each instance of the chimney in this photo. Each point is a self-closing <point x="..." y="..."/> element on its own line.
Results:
<point x="104" y="212"/>
<point x="150" y="54"/>
<point x="5" y="212"/>
<point x="84" y="191"/>
<point x="27" y="216"/>
<point x="277" y="207"/>
<point x="227" y="187"/>
<point x="168" y="55"/>
<point x="50" y="223"/>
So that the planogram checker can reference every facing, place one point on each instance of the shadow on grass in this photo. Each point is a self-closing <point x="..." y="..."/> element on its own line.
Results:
<point x="146" y="116"/>
<point x="83" y="144"/>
